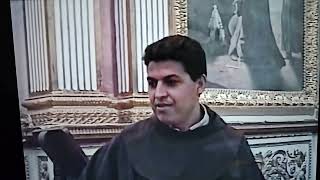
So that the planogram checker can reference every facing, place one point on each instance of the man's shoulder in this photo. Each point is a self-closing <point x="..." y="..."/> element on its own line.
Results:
<point x="133" y="132"/>
<point x="138" y="129"/>
<point x="234" y="133"/>
<point x="221" y="124"/>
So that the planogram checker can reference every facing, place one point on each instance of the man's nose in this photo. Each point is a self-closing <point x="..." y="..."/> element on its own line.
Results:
<point x="161" y="90"/>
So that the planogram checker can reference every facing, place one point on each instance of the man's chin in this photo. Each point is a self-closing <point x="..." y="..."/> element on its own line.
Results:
<point x="166" y="120"/>
<point x="162" y="118"/>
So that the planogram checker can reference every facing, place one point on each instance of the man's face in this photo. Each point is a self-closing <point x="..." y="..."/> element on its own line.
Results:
<point x="173" y="94"/>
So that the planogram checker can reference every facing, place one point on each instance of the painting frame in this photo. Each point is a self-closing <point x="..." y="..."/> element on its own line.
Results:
<point x="307" y="97"/>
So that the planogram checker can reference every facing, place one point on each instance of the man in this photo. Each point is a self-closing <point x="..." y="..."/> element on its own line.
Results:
<point x="183" y="139"/>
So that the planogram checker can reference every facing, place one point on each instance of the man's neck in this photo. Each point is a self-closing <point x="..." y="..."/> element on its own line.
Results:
<point x="198" y="113"/>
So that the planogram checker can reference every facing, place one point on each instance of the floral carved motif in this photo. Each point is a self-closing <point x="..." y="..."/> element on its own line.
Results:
<point x="282" y="164"/>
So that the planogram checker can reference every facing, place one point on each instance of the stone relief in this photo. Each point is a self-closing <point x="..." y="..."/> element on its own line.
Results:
<point x="283" y="164"/>
<point x="43" y="168"/>
<point x="26" y="120"/>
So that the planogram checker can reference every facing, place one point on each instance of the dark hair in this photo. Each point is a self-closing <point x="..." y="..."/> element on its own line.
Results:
<point x="178" y="48"/>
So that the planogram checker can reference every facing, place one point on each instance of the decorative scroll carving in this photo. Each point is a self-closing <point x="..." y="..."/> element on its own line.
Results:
<point x="282" y="164"/>
<point x="138" y="114"/>
<point x="61" y="108"/>
<point x="284" y="157"/>
<point x="84" y="114"/>
<point x="73" y="116"/>
<point x="233" y="97"/>
<point x="57" y="98"/>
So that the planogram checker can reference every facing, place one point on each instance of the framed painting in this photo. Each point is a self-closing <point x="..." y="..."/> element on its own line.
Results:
<point x="259" y="53"/>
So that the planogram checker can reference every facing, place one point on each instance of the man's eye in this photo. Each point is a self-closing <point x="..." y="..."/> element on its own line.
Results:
<point x="152" y="84"/>
<point x="171" y="82"/>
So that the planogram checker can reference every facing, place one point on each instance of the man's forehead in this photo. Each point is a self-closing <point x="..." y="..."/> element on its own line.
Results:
<point x="167" y="66"/>
<point x="165" y="69"/>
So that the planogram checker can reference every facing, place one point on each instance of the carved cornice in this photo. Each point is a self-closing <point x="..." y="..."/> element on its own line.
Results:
<point x="260" y="129"/>
<point x="86" y="115"/>
<point x="58" y="98"/>
<point x="93" y="116"/>
<point x="96" y="116"/>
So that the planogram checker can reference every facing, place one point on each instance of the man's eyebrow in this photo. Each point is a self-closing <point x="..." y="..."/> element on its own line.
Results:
<point x="150" y="79"/>
<point x="166" y="77"/>
<point x="171" y="76"/>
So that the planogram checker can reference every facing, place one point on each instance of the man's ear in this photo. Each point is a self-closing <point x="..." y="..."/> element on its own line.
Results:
<point x="201" y="84"/>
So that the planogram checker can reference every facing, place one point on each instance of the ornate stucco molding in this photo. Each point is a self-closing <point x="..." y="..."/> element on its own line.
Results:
<point x="60" y="98"/>
<point x="84" y="114"/>
<point x="96" y="115"/>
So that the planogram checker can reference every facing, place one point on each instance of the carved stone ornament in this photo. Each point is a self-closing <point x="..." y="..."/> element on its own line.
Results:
<point x="282" y="164"/>
<point x="284" y="157"/>
<point x="43" y="168"/>
<point x="84" y="115"/>
<point x="234" y="97"/>
<point x="96" y="115"/>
